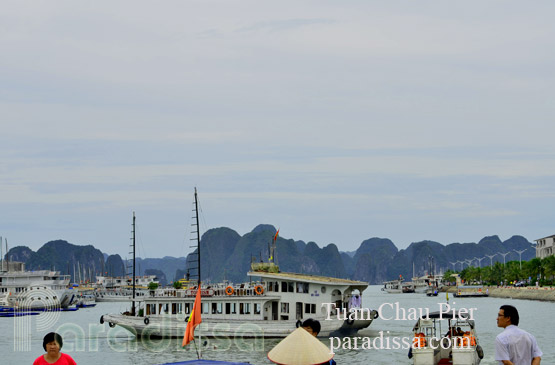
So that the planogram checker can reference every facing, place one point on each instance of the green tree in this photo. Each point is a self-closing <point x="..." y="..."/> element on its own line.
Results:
<point x="513" y="272"/>
<point x="177" y="285"/>
<point x="152" y="286"/>
<point x="447" y="277"/>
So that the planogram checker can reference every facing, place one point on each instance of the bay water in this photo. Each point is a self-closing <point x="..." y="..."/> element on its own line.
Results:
<point x="90" y="342"/>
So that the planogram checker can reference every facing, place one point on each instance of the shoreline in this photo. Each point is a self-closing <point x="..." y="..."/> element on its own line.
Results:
<point x="546" y="294"/>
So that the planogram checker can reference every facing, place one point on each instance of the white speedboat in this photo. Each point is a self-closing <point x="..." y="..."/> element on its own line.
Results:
<point x="445" y="338"/>
<point x="272" y="305"/>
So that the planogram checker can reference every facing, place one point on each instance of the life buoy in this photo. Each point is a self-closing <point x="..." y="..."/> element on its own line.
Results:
<point x="101" y="319"/>
<point x="259" y="289"/>
<point x="147" y="321"/>
<point x="229" y="290"/>
<point x="419" y="341"/>
<point x="112" y="325"/>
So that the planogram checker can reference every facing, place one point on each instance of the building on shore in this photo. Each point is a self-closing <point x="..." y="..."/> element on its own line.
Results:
<point x="545" y="247"/>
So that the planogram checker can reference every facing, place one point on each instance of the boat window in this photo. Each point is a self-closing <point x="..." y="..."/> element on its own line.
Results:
<point x="233" y="308"/>
<point x="302" y="287"/>
<point x="309" y="308"/>
<point x="187" y="308"/>
<point x="284" y="307"/>
<point x="287" y="287"/>
<point x="227" y="308"/>
<point x="247" y="308"/>
<point x="256" y="308"/>
<point x="204" y="307"/>
<point x="214" y="308"/>
<point x="174" y="308"/>
<point x="241" y="308"/>
<point x="219" y="308"/>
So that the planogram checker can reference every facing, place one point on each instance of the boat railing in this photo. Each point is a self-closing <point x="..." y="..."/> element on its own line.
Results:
<point x="213" y="291"/>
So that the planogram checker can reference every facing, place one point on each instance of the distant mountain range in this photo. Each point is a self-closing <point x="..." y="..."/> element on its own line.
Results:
<point x="227" y="255"/>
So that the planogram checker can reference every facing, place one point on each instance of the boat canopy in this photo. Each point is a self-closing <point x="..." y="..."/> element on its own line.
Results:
<point x="449" y="315"/>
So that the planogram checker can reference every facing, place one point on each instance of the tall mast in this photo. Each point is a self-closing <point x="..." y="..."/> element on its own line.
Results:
<point x="133" y="307"/>
<point x="198" y="237"/>
<point x="193" y="263"/>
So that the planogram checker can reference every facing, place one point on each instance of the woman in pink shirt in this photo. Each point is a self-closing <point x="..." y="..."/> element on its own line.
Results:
<point x="52" y="344"/>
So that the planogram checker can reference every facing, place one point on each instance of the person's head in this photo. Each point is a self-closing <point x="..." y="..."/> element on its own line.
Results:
<point x="312" y="326"/>
<point x="507" y="315"/>
<point x="52" y="342"/>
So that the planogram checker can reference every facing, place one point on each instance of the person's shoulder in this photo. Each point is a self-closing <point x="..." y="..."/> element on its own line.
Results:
<point x="39" y="360"/>
<point x="69" y="360"/>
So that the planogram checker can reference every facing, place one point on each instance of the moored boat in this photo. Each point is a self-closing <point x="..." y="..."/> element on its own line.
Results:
<point x="393" y="286"/>
<point x="39" y="289"/>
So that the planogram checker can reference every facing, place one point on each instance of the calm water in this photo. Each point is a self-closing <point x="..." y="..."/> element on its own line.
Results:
<point x="89" y="342"/>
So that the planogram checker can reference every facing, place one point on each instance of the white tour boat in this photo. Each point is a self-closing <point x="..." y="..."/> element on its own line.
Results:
<point x="39" y="289"/>
<point x="393" y="286"/>
<point x="271" y="306"/>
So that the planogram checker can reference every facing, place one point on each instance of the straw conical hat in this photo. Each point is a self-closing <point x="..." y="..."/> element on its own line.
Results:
<point x="300" y="348"/>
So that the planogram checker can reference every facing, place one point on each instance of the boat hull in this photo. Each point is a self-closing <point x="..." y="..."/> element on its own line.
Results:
<point x="172" y="327"/>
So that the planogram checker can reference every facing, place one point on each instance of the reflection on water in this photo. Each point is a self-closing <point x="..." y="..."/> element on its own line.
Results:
<point x="89" y="342"/>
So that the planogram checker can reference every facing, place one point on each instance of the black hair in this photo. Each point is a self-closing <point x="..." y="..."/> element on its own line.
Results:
<point x="510" y="311"/>
<point x="52" y="336"/>
<point x="314" y="324"/>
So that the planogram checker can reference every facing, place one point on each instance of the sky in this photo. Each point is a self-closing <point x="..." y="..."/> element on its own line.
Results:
<point x="333" y="121"/>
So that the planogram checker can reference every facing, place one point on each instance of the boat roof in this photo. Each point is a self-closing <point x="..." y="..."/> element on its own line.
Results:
<point x="448" y="315"/>
<point x="307" y="277"/>
<point x="443" y="315"/>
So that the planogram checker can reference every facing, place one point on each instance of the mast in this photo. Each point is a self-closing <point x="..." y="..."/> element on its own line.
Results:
<point x="198" y="237"/>
<point x="133" y="246"/>
<point x="193" y="263"/>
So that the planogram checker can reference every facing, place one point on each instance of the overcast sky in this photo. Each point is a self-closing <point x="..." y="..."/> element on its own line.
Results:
<point x="333" y="121"/>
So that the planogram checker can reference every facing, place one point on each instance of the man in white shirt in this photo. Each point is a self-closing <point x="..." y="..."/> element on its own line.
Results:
<point x="514" y="346"/>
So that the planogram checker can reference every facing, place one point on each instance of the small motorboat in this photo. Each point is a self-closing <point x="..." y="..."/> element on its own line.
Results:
<point x="458" y="345"/>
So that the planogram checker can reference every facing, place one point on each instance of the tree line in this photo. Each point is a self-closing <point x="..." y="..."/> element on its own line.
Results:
<point x="513" y="272"/>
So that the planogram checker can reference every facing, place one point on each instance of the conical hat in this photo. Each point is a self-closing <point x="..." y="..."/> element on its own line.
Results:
<point x="300" y="348"/>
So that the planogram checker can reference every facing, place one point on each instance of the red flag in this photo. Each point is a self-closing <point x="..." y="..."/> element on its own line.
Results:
<point x="194" y="320"/>
<point x="276" y="236"/>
